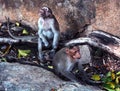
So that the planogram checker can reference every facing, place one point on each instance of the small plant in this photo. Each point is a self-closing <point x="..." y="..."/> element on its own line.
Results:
<point x="24" y="31"/>
<point x="23" y="53"/>
<point x="95" y="77"/>
<point x="2" y="59"/>
<point x="111" y="81"/>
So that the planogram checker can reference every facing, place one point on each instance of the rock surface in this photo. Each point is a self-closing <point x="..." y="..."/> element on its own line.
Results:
<point x="107" y="16"/>
<point x="72" y="15"/>
<point x="17" y="77"/>
<point x="85" y="54"/>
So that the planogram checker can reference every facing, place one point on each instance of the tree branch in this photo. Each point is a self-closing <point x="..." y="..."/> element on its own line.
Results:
<point x="10" y="40"/>
<point x="100" y="39"/>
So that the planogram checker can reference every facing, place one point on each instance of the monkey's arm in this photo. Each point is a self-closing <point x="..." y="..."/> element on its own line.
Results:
<point x="40" y="27"/>
<point x="56" y="32"/>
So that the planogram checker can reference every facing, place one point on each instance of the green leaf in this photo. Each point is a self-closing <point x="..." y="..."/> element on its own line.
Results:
<point x="51" y="67"/>
<point x="3" y="59"/>
<point x="111" y="84"/>
<point x="76" y="71"/>
<point x="17" y="24"/>
<point x="95" y="77"/>
<point x="106" y="79"/>
<point x="118" y="73"/>
<point x="112" y="75"/>
<point x="24" y="31"/>
<point x="108" y="89"/>
<point x="108" y="74"/>
<point x="117" y="80"/>
<point x="23" y="53"/>
<point x="117" y="89"/>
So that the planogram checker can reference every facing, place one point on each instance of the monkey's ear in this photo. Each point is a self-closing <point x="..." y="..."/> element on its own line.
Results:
<point x="67" y="50"/>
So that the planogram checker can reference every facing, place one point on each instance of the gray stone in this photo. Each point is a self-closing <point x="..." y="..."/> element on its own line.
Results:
<point x="17" y="77"/>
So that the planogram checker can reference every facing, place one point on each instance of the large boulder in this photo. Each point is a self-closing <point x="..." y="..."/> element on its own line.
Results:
<point x="72" y="15"/>
<point x="107" y="16"/>
<point x="17" y="77"/>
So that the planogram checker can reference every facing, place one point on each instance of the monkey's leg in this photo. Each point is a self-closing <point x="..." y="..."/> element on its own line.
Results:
<point x="40" y="53"/>
<point x="70" y="76"/>
<point x="83" y="74"/>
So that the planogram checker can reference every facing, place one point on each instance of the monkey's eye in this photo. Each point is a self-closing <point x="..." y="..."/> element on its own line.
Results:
<point x="45" y="9"/>
<point x="41" y="11"/>
<point x="75" y="52"/>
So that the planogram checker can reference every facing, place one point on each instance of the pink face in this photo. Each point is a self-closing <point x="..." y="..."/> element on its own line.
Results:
<point x="74" y="52"/>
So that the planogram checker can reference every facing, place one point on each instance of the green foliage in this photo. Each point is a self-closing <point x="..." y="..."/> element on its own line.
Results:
<point x="24" y="31"/>
<point x="2" y="59"/>
<point x="17" y="24"/>
<point x="95" y="77"/>
<point x="111" y="81"/>
<point x="23" y="53"/>
<point x="51" y="67"/>
<point x="118" y="73"/>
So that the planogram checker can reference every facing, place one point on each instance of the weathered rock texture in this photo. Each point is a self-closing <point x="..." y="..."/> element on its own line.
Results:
<point x="107" y="16"/>
<point x="72" y="15"/>
<point x="16" y="77"/>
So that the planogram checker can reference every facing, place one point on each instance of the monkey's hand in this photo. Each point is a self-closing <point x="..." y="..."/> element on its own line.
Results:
<point x="42" y="58"/>
<point x="46" y="44"/>
<point x="44" y="40"/>
<point x="52" y="53"/>
<point x="54" y="46"/>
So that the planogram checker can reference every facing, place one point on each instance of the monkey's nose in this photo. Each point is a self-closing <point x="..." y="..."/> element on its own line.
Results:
<point x="78" y="56"/>
<point x="41" y="11"/>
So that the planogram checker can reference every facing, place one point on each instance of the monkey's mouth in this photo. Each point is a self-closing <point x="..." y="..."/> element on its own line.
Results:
<point x="41" y="11"/>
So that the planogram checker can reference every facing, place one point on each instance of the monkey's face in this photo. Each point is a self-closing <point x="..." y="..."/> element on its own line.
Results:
<point x="45" y="12"/>
<point x="74" y="52"/>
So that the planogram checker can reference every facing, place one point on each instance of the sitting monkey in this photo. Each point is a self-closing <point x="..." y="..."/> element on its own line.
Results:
<point x="49" y="32"/>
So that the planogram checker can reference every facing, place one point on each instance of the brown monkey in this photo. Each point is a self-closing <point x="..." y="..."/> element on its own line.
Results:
<point x="48" y="32"/>
<point x="66" y="59"/>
